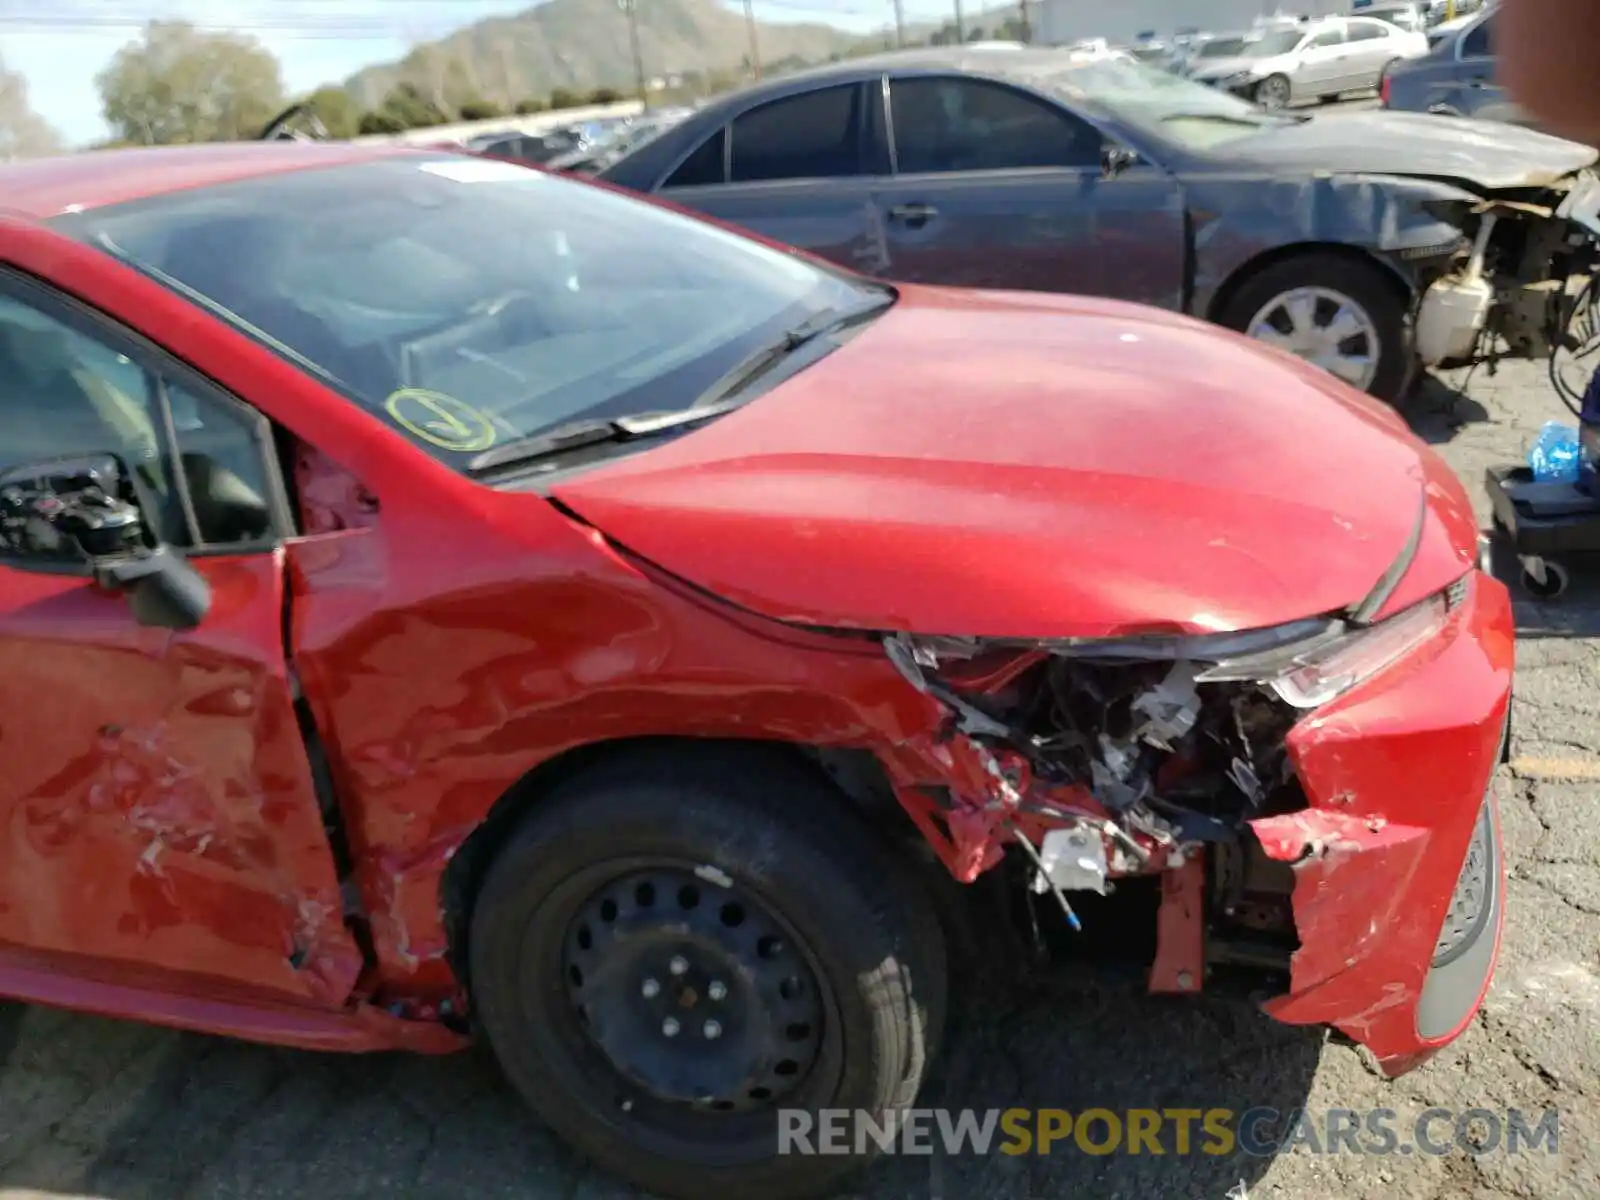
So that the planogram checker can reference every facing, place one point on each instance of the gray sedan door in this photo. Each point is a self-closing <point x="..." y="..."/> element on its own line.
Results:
<point x="796" y="171"/>
<point x="996" y="188"/>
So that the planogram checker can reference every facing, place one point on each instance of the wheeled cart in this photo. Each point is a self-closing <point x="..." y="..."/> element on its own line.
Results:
<point x="1548" y="525"/>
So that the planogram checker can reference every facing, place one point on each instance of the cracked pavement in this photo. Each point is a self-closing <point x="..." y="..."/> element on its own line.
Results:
<point x="98" y="1108"/>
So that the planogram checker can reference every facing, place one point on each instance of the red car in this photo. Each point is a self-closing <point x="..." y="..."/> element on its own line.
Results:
<point x="443" y="600"/>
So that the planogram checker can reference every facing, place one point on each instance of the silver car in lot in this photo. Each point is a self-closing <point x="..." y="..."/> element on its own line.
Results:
<point x="1318" y="60"/>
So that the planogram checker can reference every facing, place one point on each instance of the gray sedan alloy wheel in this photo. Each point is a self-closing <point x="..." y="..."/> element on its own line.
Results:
<point x="1325" y="327"/>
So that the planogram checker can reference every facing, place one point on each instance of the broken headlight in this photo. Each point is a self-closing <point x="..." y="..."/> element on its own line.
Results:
<point x="1313" y="673"/>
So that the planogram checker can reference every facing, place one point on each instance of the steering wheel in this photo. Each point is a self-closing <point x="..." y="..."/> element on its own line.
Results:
<point x="492" y="308"/>
<point x="468" y="331"/>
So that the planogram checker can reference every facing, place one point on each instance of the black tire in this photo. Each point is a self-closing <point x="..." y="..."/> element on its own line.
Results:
<point x="1362" y="282"/>
<point x="786" y="839"/>
<point x="1274" y="92"/>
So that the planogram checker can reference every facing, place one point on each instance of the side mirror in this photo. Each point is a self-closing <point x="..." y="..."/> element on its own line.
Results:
<point x="1114" y="160"/>
<point x="86" y="511"/>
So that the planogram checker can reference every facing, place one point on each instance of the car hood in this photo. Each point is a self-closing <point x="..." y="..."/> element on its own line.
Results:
<point x="1486" y="155"/>
<point x="1031" y="466"/>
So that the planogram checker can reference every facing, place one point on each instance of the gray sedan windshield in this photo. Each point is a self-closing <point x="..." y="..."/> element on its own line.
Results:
<point x="1192" y="115"/>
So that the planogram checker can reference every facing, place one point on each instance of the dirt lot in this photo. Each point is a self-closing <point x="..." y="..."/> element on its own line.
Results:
<point x="104" y="1109"/>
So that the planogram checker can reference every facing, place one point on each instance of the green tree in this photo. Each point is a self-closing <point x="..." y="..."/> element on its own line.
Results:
<point x="379" y="122"/>
<point x="530" y="106"/>
<point x="23" y="132"/>
<point x="337" y="110"/>
<point x="562" y="98"/>
<point x="406" y="104"/>
<point x="175" y="83"/>
<point x="441" y="78"/>
<point x="604" y="95"/>
<point x="481" y="110"/>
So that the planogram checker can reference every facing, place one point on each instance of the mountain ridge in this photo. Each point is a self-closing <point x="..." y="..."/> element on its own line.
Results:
<point x="580" y="45"/>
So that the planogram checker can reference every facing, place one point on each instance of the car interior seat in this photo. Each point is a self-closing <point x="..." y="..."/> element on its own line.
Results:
<point x="46" y="409"/>
<point x="53" y="404"/>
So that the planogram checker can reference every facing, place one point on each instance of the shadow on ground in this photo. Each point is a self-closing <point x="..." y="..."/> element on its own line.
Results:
<point x="1437" y="411"/>
<point x="165" y="1115"/>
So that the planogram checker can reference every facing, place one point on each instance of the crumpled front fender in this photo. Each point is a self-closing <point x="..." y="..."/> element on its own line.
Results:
<point x="1398" y="774"/>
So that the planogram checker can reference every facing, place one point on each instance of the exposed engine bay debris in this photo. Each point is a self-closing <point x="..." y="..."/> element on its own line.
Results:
<point x="1518" y="279"/>
<point x="1105" y="765"/>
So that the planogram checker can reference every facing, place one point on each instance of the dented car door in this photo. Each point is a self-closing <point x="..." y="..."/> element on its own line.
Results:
<point x="158" y="803"/>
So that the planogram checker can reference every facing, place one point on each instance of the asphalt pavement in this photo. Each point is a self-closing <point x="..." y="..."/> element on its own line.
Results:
<point x="114" y="1110"/>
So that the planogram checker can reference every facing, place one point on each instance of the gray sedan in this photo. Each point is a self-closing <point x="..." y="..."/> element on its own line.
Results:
<point x="1333" y="237"/>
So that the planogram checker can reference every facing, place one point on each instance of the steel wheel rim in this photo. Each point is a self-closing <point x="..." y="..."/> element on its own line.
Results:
<point x="1325" y="327"/>
<point x="1273" y="93"/>
<point x="656" y="956"/>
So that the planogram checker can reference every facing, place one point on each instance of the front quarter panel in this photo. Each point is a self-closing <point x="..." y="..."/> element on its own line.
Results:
<point x="1239" y="216"/>
<point x="1399" y="772"/>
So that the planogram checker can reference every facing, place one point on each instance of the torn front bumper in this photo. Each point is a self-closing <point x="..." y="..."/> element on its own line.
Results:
<point x="1399" y="879"/>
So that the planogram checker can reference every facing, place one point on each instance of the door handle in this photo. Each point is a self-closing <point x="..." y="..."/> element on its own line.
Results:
<point x="913" y="214"/>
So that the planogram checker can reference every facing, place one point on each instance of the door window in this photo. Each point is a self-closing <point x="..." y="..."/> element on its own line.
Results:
<point x="67" y="389"/>
<point x="1328" y="37"/>
<point x="1368" y="31"/>
<point x="816" y="135"/>
<point x="945" y="124"/>
<point x="1478" y="41"/>
<point x="707" y="166"/>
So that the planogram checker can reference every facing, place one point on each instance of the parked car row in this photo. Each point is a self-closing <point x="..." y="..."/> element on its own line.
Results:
<point x="1193" y="53"/>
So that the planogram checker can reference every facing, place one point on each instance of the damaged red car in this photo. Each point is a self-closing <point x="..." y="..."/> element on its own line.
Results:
<point x="444" y="601"/>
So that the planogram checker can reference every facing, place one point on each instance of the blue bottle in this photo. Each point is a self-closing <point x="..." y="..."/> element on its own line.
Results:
<point x="1555" y="455"/>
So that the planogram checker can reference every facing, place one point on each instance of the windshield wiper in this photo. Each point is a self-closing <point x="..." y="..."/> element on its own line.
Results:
<point x="574" y="435"/>
<point x="757" y="363"/>
<point x="719" y="398"/>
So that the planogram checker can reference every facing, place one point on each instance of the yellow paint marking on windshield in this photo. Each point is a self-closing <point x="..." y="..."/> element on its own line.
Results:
<point x="441" y="420"/>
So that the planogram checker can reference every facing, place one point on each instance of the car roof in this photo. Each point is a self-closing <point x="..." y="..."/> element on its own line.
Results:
<point x="997" y="59"/>
<point x="45" y="187"/>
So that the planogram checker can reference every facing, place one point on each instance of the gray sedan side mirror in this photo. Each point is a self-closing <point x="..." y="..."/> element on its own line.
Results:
<point x="1114" y="160"/>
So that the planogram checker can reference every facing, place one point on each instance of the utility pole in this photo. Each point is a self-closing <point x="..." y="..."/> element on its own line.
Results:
<point x="1027" y="25"/>
<point x="961" y="28"/>
<point x="755" y="46"/>
<point x="631" y="8"/>
<point x="899" y="24"/>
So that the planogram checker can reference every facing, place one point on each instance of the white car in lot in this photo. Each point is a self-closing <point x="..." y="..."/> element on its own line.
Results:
<point x="1317" y="60"/>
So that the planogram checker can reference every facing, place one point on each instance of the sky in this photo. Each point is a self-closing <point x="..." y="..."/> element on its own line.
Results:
<point x="59" y="45"/>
